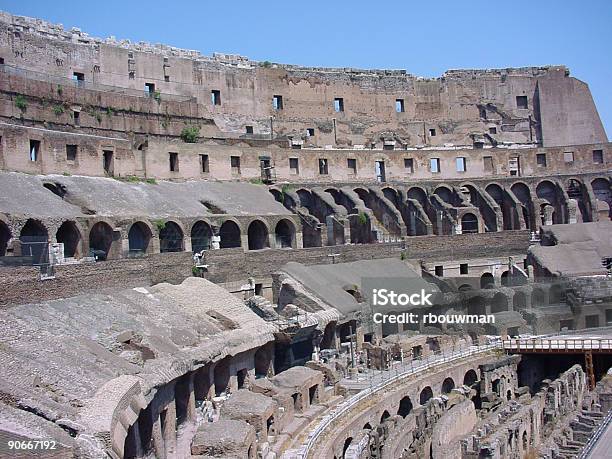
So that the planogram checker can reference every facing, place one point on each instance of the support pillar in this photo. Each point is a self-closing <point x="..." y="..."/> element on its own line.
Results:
<point x="169" y="429"/>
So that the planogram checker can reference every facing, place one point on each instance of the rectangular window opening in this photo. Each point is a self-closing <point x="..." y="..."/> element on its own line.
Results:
<point x="432" y="132"/>
<point x="310" y="132"/>
<point x="204" y="164"/>
<point x="434" y="165"/>
<point x="149" y="88"/>
<point x="488" y="163"/>
<point x="339" y="104"/>
<point x="71" y="152"/>
<point x="277" y="102"/>
<point x="439" y="270"/>
<point x="492" y="130"/>
<point x="76" y="115"/>
<point x="541" y="159"/>
<point x="461" y="164"/>
<point x="235" y="164"/>
<point x="598" y="156"/>
<point x="174" y="162"/>
<point x="78" y="77"/>
<point x="521" y="102"/>
<point x="409" y="165"/>
<point x="323" y="170"/>
<point x="215" y="97"/>
<point x="463" y="268"/>
<point x="294" y="166"/>
<point x="107" y="162"/>
<point x="568" y="157"/>
<point x="399" y="105"/>
<point x="352" y="165"/>
<point x="166" y="78"/>
<point x="34" y="150"/>
<point x="249" y="129"/>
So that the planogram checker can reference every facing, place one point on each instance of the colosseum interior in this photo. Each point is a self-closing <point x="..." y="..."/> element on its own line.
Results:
<point x="186" y="244"/>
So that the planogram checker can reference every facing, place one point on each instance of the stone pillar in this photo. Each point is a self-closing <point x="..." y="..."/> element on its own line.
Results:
<point x="169" y="429"/>
<point x="272" y="240"/>
<point x="187" y="243"/>
<point x="244" y="240"/>
<point x="299" y="240"/>
<point x="157" y="437"/>
<point x="137" y="442"/>
<point x="191" y="411"/>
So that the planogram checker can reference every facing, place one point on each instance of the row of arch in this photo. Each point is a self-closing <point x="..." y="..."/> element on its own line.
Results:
<point x="34" y="237"/>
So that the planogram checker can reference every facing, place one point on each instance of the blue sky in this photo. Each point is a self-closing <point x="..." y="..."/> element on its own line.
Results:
<point x="425" y="38"/>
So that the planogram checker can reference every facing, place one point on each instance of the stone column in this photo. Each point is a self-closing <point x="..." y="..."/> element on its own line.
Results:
<point x="191" y="411"/>
<point x="169" y="429"/>
<point x="157" y="437"/>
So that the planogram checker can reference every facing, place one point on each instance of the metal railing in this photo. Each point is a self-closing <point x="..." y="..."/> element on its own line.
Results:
<point x="562" y="344"/>
<point x="351" y="402"/>
<point x="91" y="86"/>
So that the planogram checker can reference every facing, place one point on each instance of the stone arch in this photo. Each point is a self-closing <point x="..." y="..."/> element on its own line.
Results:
<point x="448" y="385"/>
<point x="465" y="288"/>
<point x="100" y="240"/>
<point x="284" y="233"/>
<point x="347" y="444"/>
<point x="171" y="238"/>
<point x="34" y="240"/>
<point x="425" y="395"/>
<point x="405" y="406"/>
<point x="519" y="301"/>
<point x="523" y="194"/>
<point x="367" y="426"/>
<point x="5" y="237"/>
<point x="496" y="192"/>
<point x="384" y="416"/>
<point x="487" y="281"/>
<point x="445" y="193"/>
<point x="477" y="305"/>
<point x="230" y="235"/>
<point x="547" y="190"/>
<point x="499" y="303"/>
<point x="139" y="238"/>
<point x="505" y="278"/>
<point x="470" y="378"/>
<point x="257" y="233"/>
<point x="201" y="236"/>
<point x="417" y="193"/>
<point x="70" y="235"/>
<point x="469" y="223"/>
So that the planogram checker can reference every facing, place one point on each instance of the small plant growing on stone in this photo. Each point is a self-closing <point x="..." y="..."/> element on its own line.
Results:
<point x="157" y="96"/>
<point x="60" y="91"/>
<point x="20" y="103"/>
<point x="109" y="112"/>
<point x="66" y="174"/>
<point x="189" y="134"/>
<point x="402" y="255"/>
<point x="196" y="272"/>
<point x="98" y="117"/>
<point x="58" y="110"/>
<point x="151" y="181"/>
<point x="159" y="224"/>
<point x="363" y="218"/>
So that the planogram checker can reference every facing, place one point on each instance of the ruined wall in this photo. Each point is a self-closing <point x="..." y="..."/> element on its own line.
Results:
<point x="461" y="107"/>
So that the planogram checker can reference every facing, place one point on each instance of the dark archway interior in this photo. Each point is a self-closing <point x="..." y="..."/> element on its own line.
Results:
<point x="258" y="235"/>
<point x="284" y="234"/>
<point x="100" y="240"/>
<point x="139" y="238"/>
<point x="5" y="236"/>
<point x="230" y="235"/>
<point x="69" y="235"/>
<point x="448" y="385"/>
<point x="469" y="223"/>
<point x="171" y="238"/>
<point x="405" y="407"/>
<point x="201" y="235"/>
<point x="34" y="241"/>
<point x="425" y="395"/>
<point x="486" y="280"/>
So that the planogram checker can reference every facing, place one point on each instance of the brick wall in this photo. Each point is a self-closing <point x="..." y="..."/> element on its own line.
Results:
<point x="22" y="285"/>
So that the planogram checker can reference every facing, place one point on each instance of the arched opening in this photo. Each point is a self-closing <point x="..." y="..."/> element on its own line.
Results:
<point x="496" y="386"/>
<point x="328" y="341"/>
<point x="5" y="237"/>
<point x="69" y="235"/>
<point x="603" y="193"/>
<point x="505" y="278"/>
<point x="477" y="306"/>
<point x="230" y="235"/>
<point x="367" y="426"/>
<point x="263" y="361"/>
<point x="425" y="395"/>
<point x="469" y="223"/>
<point x="34" y="241"/>
<point x="405" y="407"/>
<point x="519" y="301"/>
<point x="384" y="416"/>
<point x="171" y="238"/>
<point x="445" y="194"/>
<point x="139" y="237"/>
<point x="509" y="395"/>
<point x="222" y="375"/>
<point x="547" y="190"/>
<point x="499" y="303"/>
<point x="470" y="378"/>
<point x="258" y="235"/>
<point x="448" y="385"/>
<point x="284" y="234"/>
<point x="100" y="240"/>
<point x="417" y="194"/>
<point x="465" y="288"/>
<point x="487" y="281"/>
<point x="201" y="235"/>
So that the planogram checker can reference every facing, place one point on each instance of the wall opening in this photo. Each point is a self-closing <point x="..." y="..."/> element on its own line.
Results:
<point x="100" y="241"/>
<point x="258" y="235"/>
<point x="469" y="223"/>
<point x="425" y="395"/>
<point x="5" y="237"/>
<point x="69" y="235"/>
<point x="230" y="235"/>
<point x="285" y="234"/>
<point x="201" y="235"/>
<point x="215" y="97"/>
<point x="405" y="407"/>
<point x="139" y="238"/>
<point x="34" y="150"/>
<point x="339" y="104"/>
<point x="170" y="238"/>
<point x="173" y="162"/>
<point x="108" y="162"/>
